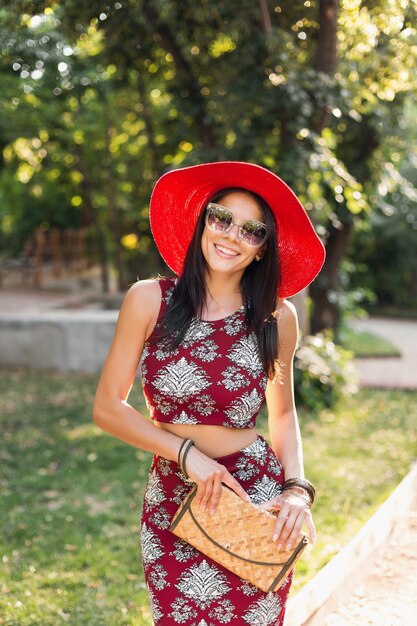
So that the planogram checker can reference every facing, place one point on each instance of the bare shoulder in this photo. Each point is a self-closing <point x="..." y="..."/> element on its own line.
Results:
<point x="286" y="313"/>
<point x="142" y="303"/>
<point x="287" y="323"/>
<point x="145" y="293"/>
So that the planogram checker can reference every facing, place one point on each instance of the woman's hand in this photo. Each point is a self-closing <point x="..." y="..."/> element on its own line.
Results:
<point x="293" y="512"/>
<point x="209" y="476"/>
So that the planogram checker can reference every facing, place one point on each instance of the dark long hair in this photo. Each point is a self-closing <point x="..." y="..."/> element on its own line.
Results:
<point x="259" y="285"/>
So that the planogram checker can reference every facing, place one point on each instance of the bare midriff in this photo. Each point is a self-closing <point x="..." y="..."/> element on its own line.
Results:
<point x="215" y="441"/>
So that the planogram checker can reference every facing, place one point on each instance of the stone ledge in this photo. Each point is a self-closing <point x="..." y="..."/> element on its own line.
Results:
<point x="335" y="583"/>
<point x="76" y="341"/>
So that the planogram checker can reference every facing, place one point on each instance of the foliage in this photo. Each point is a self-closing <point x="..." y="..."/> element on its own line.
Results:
<point x="71" y="495"/>
<point x="99" y="100"/>
<point x="323" y="372"/>
<point x="385" y="247"/>
<point x="382" y="249"/>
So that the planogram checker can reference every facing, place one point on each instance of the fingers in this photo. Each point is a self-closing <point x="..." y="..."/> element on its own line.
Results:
<point x="271" y="505"/>
<point x="290" y="534"/>
<point x="311" y="528"/>
<point x="209" y="476"/>
<point x="237" y="487"/>
<point x="283" y="527"/>
<point x="204" y="491"/>
<point x="209" y="492"/>
<point x="293" y="513"/>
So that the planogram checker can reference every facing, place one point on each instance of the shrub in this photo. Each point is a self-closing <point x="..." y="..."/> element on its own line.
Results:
<point x="323" y="372"/>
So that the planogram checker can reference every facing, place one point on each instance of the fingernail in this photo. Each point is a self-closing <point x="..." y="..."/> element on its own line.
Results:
<point x="275" y="537"/>
<point x="203" y="507"/>
<point x="279" y="547"/>
<point x="212" y="512"/>
<point x="288" y="547"/>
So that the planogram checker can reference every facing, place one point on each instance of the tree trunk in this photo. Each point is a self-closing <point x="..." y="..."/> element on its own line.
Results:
<point x="326" y="58"/>
<point x="265" y="17"/>
<point x="157" y="165"/>
<point x="114" y="218"/>
<point x="324" y="290"/>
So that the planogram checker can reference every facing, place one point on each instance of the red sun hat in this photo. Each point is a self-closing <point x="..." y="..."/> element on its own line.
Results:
<point x="181" y="195"/>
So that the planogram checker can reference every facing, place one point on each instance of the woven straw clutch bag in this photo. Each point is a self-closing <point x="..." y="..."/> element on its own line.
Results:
<point x="239" y="537"/>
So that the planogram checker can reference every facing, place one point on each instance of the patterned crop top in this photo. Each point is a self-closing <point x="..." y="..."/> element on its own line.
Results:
<point x="215" y="376"/>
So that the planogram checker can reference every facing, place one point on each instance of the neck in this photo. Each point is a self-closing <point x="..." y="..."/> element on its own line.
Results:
<point x="223" y="293"/>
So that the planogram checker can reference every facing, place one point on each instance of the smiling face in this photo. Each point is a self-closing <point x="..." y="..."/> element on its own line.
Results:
<point x="225" y="251"/>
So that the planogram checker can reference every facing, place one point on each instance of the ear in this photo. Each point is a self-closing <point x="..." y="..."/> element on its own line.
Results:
<point x="260" y="254"/>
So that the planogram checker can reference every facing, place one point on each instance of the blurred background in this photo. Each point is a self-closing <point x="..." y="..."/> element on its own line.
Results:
<point x="99" y="99"/>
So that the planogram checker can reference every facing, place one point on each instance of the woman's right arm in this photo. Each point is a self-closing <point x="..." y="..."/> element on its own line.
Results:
<point x="113" y="413"/>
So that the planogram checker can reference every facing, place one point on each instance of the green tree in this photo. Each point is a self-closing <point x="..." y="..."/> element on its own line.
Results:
<point x="314" y="90"/>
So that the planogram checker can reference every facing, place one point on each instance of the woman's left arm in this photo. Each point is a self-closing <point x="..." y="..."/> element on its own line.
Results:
<point x="285" y="436"/>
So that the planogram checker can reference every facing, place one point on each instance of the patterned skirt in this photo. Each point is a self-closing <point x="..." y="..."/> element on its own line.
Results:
<point x="186" y="587"/>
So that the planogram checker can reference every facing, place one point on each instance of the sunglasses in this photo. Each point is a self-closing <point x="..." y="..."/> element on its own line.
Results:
<point x="221" y="220"/>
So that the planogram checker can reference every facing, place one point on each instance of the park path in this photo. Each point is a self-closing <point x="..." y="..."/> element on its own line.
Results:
<point x="388" y="595"/>
<point x="396" y="372"/>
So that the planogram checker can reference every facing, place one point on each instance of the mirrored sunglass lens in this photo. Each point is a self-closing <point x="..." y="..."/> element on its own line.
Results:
<point x="253" y="233"/>
<point x="219" y="219"/>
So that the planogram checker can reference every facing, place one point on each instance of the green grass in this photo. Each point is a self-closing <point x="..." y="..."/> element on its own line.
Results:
<point x="407" y="313"/>
<point x="355" y="455"/>
<point x="71" y="495"/>
<point x="365" y="344"/>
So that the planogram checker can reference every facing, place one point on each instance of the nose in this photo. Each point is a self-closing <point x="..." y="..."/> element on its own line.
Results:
<point x="233" y="233"/>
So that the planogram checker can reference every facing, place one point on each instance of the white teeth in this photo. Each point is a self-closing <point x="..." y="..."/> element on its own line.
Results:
<point x="226" y="250"/>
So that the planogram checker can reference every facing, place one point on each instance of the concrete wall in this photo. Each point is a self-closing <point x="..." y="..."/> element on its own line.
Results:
<point x="68" y="340"/>
<point x="58" y="340"/>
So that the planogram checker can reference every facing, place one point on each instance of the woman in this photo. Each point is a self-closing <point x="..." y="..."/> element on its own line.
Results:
<point x="213" y="344"/>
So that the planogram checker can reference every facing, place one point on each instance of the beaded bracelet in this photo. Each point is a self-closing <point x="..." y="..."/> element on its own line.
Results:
<point x="303" y="484"/>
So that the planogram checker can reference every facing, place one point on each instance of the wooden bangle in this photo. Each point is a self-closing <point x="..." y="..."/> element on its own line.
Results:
<point x="303" y="484"/>
<point x="184" y="451"/>
<point x="184" y="441"/>
<point x="181" y="452"/>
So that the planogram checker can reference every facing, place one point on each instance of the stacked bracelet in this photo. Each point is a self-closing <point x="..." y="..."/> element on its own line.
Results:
<point x="182" y="455"/>
<point x="301" y="483"/>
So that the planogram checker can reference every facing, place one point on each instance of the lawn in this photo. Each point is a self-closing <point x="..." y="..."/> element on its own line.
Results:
<point x="71" y="495"/>
<point x="365" y="344"/>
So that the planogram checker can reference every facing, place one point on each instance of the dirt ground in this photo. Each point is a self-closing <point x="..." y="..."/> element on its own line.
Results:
<point x="388" y="596"/>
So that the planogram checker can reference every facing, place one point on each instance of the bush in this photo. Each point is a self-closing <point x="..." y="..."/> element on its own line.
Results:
<point x="323" y="372"/>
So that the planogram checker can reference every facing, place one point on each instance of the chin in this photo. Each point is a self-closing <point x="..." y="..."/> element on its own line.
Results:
<point x="224" y="267"/>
